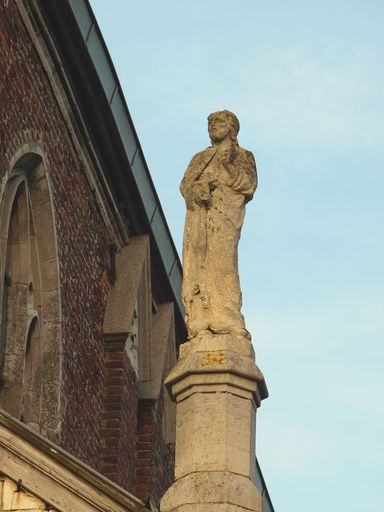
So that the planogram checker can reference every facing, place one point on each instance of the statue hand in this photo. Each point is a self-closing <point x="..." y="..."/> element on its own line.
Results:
<point x="202" y="194"/>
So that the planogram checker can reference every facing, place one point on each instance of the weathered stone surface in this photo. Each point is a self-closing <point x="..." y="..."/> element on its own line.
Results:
<point x="123" y="294"/>
<point x="212" y="491"/>
<point x="237" y="344"/>
<point x="217" y="387"/>
<point x="217" y="360"/>
<point x="217" y="184"/>
<point x="220" y="427"/>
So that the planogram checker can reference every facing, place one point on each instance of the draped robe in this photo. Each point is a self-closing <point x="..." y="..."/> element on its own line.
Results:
<point x="211" y="286"/>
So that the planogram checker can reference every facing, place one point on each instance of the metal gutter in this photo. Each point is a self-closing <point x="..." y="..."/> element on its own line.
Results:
<point x="101" y="60"/>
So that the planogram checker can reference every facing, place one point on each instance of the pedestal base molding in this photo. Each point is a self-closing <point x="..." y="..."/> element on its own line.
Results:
<point x="212" y="492"/>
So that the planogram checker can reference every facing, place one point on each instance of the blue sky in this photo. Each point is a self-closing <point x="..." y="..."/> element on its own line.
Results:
<point x="306" y="80"/>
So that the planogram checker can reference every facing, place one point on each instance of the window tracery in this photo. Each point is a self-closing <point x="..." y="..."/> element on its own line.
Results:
<point x="29" y="389"/>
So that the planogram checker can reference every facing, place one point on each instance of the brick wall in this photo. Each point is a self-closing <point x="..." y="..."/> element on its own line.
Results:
<point x="119" y="420"/>
<point x="154" y="471"/>
<point x="98" y="396"/>
<point x="29" y="112"/>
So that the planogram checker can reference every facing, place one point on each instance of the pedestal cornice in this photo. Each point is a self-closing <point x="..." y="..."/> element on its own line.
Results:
<point x="217" y="360"/>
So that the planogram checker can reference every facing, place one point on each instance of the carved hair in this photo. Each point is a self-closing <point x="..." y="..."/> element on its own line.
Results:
<point x="235" y="125"/>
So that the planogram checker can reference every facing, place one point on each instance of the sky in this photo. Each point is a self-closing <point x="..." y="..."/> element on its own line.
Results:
<point x="306" y="80"/>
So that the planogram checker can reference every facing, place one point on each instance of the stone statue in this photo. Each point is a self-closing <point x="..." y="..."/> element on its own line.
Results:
<point x="217" y="184"/>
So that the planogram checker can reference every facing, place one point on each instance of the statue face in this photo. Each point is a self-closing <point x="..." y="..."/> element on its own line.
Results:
<point x="218" y="127"/>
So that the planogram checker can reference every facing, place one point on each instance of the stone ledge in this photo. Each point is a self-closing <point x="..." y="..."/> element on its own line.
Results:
<point x="217" y="359"/>
<point x="215" y="383"/>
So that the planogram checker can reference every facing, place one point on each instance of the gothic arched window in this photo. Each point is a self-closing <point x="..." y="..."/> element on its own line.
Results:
<point x="30" y="330"/>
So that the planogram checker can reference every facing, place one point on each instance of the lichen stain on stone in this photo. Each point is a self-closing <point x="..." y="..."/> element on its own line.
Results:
<point x="213" y="358"/>
<point x="196" y="479"/>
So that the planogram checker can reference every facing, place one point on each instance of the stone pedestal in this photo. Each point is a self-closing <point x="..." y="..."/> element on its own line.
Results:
<point x="217" y="387"/>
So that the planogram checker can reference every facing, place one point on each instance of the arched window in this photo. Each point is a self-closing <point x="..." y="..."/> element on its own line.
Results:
<point x="30" y="329"/>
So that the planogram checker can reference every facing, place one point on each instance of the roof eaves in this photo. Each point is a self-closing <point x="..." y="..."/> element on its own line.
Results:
<point x="102" y="62"/>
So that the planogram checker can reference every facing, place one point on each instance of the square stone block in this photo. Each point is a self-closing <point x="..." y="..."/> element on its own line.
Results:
<point x="215" y="432"/>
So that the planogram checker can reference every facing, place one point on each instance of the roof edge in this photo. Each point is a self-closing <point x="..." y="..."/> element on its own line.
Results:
<point x="44" y="469"/>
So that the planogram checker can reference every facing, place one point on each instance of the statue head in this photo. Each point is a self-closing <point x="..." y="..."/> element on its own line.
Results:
<point x="222" y="125"/>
